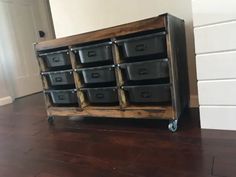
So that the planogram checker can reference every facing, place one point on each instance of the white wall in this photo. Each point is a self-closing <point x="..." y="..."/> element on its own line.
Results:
<point x="5" y="97"/>
<point x="78" y="16"/>
<point x="215" y="41"/>
<point x="18" y="32"/>
<point x="5" y="94"/>
<point x="3" y="89"/>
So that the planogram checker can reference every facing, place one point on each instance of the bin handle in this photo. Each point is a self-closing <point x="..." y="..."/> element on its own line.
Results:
<point x="99" y="95"/>
<point x="58" y="79"/>
<point x="95" y="75"/>
<point x="91" y="53"/>
<point x="140" y="47"/>
<point x="61" y="97"/>
<point x="146" y="95"/>
<point x="143" y="71"/>
<point x="55" y="59"/>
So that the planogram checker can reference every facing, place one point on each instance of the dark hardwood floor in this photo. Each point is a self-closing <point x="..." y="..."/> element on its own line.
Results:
<point x="109" y="147"/>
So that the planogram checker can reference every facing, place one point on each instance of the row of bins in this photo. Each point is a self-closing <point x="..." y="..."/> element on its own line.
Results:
<point x="137" y="71"/>
<point x="145" y="68"/>
<point x="140" y="93"/>
<point x="97" y="73"/>
<point x="99" y="54"/>
<point x="59" y="76"/>
<point x="145" y="71"/>
<point x="108" y="95"/>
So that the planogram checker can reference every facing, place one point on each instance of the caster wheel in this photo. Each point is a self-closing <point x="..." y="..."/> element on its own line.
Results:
<point x="50" y="120"/>
<point x="173" y="125"/>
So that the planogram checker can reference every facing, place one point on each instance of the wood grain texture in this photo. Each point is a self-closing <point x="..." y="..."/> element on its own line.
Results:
<point x="119" y="78"/>
<point x="102" y="147"/>
<point x="152" y="113"/>
<point x="42" y="68"/>
<point x="78" y="83"/>
<point x="134" y="27"/>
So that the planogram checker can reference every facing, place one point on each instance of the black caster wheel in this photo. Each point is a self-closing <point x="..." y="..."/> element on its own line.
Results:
<point x="173" y="125"/>
<point x="50" y="120"/>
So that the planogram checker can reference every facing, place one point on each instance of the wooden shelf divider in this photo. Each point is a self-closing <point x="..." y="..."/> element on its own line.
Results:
<point x="119" y="77"/>
<point x="78" y="83"/>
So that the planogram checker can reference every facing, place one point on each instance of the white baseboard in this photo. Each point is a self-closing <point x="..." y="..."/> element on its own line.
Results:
<point x="218" y="117"/>
<point x="194" y="101"/>
<point x="5" y="100"/>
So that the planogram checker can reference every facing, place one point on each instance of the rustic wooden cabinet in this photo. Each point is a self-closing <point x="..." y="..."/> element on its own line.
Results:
<point x="135" y="70"/>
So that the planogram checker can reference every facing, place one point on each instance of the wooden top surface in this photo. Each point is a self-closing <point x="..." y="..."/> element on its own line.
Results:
<point x="121" y="30"/>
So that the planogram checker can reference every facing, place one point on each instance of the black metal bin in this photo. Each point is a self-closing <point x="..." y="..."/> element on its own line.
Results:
<point x="63" y="96"/>
<point x="148" y="93"/>
<point x="59" y="78"/>
<point x="146" y="70"/>
<point x="151" y="44"/>
<point x="57" y="59"/>
<point x="101" y="95"/>
<point x="94" y="53"/>
<point x="94" y="75"/>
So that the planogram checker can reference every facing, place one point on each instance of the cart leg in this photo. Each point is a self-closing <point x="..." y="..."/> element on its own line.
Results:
<point x="173" y="125"/>
<point x="51" y="120"/>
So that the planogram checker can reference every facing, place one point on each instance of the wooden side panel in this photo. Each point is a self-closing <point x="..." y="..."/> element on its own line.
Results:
<point x="44" y="82"/>
<point x="41" y="64"/>
<point x="134" y="27"/>
<point x="176" y="48"/>
<point x="42" y="68"/>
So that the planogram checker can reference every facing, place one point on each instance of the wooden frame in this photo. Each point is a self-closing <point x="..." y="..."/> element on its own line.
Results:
<point x="176" y="53"/>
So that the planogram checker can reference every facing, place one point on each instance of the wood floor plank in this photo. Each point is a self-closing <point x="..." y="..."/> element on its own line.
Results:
<point x="92" y="147"/>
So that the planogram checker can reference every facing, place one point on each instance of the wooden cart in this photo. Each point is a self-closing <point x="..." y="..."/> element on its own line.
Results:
<point x="178" y="74"/>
